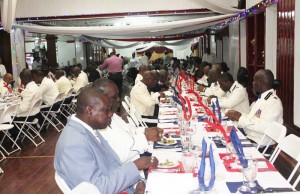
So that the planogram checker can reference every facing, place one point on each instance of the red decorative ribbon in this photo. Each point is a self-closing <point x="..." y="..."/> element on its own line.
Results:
<point x="7" y="86"/>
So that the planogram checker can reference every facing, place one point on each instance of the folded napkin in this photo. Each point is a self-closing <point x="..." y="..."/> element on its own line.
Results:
<point x="233" y="187"/>
<point x="236" y="142"/>
<point x="168" y="116"/>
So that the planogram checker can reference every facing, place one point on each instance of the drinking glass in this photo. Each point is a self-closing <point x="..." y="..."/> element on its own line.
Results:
<point x="196" y="149"/>
<point x="249" y="174"/>
<point x="185" y="141"/>
<point x="187" y="162"/>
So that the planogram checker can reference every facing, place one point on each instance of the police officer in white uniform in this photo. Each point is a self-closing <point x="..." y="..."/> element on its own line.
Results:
<point x="267" y="108"/>
<point x="236" y="96"/>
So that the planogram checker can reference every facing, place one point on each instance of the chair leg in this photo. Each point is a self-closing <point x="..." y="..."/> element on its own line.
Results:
<point x="27" y="135"/>
<point x="1" y="171"/>
<point x="14" y="144"/>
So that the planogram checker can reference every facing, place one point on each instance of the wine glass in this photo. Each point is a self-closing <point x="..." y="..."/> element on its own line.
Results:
<point x="196" y="149"/>
<point x="185" y="141"/>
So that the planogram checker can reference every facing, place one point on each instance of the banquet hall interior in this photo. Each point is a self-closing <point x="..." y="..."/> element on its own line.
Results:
<point x="47" y="36"/>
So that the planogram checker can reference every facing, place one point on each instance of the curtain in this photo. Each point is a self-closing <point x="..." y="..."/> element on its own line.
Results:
<point x="8" y="11"/>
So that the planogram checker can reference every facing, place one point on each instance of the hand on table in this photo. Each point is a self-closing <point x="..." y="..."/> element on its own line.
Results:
<point x="201" y="88"/>
<point x="233" y="115"/>
<point x="140" y="188"/>
<point x="145" y="162"/>
<point x="153" y="133"/>
<point x="162" y="95"/>
<point x="209" y="99"/>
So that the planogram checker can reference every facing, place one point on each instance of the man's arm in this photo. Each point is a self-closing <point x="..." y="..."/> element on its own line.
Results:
<point x="104" y="65"/>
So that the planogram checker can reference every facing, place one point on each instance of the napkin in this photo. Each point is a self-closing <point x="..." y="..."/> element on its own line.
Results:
<point x="236" y="142"/>
<point x="177" y="146"/>
<point x="233" y="186"/>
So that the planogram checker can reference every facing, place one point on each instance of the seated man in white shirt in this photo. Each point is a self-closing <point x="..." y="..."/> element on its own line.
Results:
<point x="29" y="95"/>
<point x="141" y="99"/>
<point x="214" y="89"/>
<point x="203" y="80"/>
<point x="81" y="79"/>
<point x="127" y="141"/>
<point x="236" y="97"/>
<point x="63" y="84"/>
<point x="267" y="109"/>
<point x="5" y="85"/>
<point x="47" y="88"/>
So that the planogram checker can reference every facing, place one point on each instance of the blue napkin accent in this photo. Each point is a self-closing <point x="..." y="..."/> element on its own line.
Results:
<point x="176" y="99"/>
<point x="233" y="187"/>
<point x="213" y="110"/>
<point x="202" y="168"/>
<point x="236" y="142"/>
<point x="219" y="110"/>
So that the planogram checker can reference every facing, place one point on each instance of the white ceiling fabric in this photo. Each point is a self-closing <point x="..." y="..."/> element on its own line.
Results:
<point x="8" y="11"/>
<point x="132" y="31"/>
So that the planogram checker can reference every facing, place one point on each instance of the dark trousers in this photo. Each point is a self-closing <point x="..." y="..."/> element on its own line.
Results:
<point x="118" y="79"/>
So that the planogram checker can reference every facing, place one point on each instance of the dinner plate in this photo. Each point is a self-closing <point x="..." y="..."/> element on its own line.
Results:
<point x="168" y="164"/>
<point x="169" y="142"/>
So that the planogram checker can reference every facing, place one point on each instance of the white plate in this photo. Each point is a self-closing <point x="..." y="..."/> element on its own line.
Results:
<point x="167" y="144"/>
<point x="174" y="164"/>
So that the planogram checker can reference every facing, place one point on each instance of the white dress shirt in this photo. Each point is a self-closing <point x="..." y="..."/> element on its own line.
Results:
<point x="203" y="80"/>
<point x="64" y="85"/>
<point x="49" y="91"/>
<point x="142" y="100"/>
<point x="128" y="142"/>
<point x="144" y="60"/>
<point x="30" y="94"/>
<point x="2" y="70"/>
<point x="81" y="81"/>
<point x="3" y="88"/>
<point x="138" y="78"/>
<point x="236" y="98"/>
<point x="215" y="90"/>
<point x="265" y="110"/>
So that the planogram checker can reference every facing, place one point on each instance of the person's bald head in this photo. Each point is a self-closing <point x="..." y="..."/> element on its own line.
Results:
<point x="217" y="66"/>
<point x="163" y="76"/>
<point x="26" y="76"/>
<point x="111" y="90"/>
<point x="59" y="73"/>
<point x="149" y="79"/>
<point x="76" y="71"/>
<point x="214" y="74"/>
<point x="8" y="78"/>
<point x="94" y="107"/>
<point x="263" y="80"/>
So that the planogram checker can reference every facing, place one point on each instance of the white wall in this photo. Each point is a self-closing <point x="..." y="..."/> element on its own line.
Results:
<point x="65" y="53"/>
<point x="243" y="39"/>
<point x="297" y="66"/>
<point x="80" y="53"/>
<point x="219" y="50"/>
<point x="30" y="45"/>
<point x="271" y="38"/>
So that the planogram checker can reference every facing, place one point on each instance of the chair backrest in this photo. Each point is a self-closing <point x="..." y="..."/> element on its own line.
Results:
<point x="290" y="145"/>
<point x="82" y="188"/>
<point x="10" y="111"/>
<point x="127" y="100"/>
<point x="135" y="114"/>
<point x="70" y="92"/>
<point x="274" y="133"/>
<point x="35" y="105"/>
<point x="59" y="97"/>
<point x="126" y="107"/>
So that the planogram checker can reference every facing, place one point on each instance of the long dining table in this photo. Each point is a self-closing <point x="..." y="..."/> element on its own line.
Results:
<point x="174" y="179"/>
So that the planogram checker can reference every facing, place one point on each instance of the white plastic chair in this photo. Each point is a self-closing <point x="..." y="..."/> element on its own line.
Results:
<point x="290" y="145"/>
<point x="127" y="100"/>
<point x="82" y="188"/>
<point x="26" y="127"/>
<point x="66" y="109"/>
<point x="50" y="114"/>
<point x="11" y="112"/>
<point x="273" y="134"/>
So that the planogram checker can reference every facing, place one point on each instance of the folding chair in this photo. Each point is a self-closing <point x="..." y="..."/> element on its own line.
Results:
<point x="127" y="100"/>
<point x="135" y="115"/>
<point x="9" y="111"/>
<point x="83" y="187"/>
<point x="273" y="134"/>
<point x="66" y="104"/>
<point x="74" y="101"/>
<point x="51" y="113"/>
<point x="290" y="145"/>
<point x="26" y="127"/>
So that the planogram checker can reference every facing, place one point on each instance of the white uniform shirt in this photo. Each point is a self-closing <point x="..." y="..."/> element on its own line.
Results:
<point x="30" y="94"/>
<point x="48" y="90"/>
<point x="144" y="60"/>
<point x="215" y="90"/>
<point x="81" y="81"/>
<point x="203" y="80"/>
<point x="2" y="70"/>
<point x="236" y="99"/>
<point x="64" y="85"/>
<point x="3" y="88"/>
<point x="263" y="112"/>
<point x="142" y="100"/>
<point x="138" y="78"/>
<point x="133" y="63"/>
<point x="128" y="142"/>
